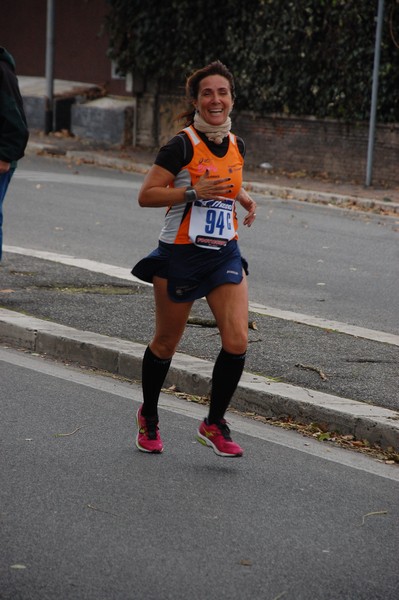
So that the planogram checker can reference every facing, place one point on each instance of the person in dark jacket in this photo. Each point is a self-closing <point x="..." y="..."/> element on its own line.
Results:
<point x="13" y="128"/>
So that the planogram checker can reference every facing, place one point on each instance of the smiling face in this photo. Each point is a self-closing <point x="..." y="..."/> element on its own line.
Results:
<point x="214" y="102"/>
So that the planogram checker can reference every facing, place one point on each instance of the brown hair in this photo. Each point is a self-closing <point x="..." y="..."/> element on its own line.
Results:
<point x="192" y="86"/>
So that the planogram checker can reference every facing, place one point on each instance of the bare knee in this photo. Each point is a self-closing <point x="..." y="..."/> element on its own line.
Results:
<point x="235" y="344"/>
<point x="163" y="347"/>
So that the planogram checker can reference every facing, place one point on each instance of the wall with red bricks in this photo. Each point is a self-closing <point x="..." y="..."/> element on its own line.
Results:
<point x="325" y="146"/>
<point x="80" y="41"/>
<point x="315" y="147"/>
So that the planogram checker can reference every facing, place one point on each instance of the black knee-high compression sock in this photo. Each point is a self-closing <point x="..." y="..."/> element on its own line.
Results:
<point x="153" y="373"/>
<point x="225" y="377"/>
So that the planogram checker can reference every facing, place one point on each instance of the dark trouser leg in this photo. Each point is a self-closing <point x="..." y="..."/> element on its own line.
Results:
<point x="4" y="181"/>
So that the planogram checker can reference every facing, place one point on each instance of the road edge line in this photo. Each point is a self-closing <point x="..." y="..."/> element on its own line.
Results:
<point x="193" y="376"/>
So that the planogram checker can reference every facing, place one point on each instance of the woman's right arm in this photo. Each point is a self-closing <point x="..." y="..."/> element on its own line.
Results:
<point x="155" y="190"/>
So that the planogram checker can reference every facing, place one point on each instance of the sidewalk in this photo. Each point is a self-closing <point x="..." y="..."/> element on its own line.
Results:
<point x="313" y="374"/>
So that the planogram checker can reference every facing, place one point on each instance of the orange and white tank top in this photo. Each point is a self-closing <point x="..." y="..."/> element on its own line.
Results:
<point x="207" y="223"/>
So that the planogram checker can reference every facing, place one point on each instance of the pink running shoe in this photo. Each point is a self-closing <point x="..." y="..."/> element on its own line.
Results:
<point x="148" y="438"/>
<point x="218" y="438"/>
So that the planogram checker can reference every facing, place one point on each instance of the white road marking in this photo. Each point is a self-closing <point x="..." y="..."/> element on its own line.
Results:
<point x="362" y="332"/>
<point x="244" y="425"/>
<point x="124" y="273"/>
<point x="81" y="263"/>
<point x="40" y="177"/>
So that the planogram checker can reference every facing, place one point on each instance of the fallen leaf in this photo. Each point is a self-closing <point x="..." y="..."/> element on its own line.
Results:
<point x="107" y="512"/>
<point x="67" y="434"/>
<point x="245" y="563"/>
<point x="312" y="368"/>
<point x="372" y="514"/>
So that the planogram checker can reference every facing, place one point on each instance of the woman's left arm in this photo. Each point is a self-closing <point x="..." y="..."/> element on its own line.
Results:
<point x="248" y="204"/>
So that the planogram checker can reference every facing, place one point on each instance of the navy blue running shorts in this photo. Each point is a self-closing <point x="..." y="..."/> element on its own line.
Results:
<point x="192" y="272"/>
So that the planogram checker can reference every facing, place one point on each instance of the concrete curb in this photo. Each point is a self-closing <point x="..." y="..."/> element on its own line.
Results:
<point x="340" y="200"/>
<point x="108" y="161"/>
<point x="193" y="376"/>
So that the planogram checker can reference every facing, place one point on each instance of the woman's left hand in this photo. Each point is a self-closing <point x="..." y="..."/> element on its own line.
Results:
<point x="250" y="205"/>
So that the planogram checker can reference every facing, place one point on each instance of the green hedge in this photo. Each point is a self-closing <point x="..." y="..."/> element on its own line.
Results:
<point x="299" y="57"/>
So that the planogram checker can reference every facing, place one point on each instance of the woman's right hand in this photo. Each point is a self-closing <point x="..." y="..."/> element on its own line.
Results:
<point x="208" y="187"/>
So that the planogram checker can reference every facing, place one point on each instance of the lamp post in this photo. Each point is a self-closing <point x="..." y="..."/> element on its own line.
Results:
<point x="49" y="66"/>
<point x="374" y="93"/>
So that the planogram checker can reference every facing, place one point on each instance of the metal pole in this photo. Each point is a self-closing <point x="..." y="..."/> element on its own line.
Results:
<point x="374" y="93"/>
<point x="49" y="66"/>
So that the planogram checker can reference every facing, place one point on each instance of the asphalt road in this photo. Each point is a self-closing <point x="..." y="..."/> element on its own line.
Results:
<point x="310" y="259"/>
<point x="84" y="515"/>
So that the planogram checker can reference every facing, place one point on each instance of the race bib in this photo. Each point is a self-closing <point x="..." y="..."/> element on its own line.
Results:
<point x="212" y="223"/>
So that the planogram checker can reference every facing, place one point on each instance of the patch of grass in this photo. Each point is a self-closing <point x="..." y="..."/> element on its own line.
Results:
<point x="105" y="290"/>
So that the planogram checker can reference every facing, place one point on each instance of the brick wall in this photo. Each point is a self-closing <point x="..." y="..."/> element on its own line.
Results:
<point x="307" y="144"/>
<point x="321" y="146"/>
<point x="80" y="40"/>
